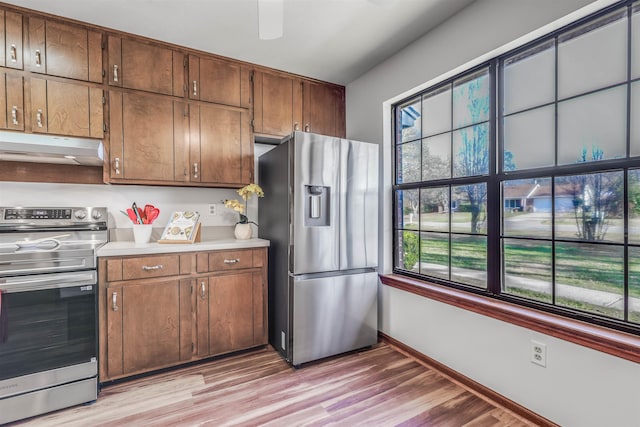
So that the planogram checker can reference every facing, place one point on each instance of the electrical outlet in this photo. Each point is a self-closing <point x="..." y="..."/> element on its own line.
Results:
<point x="213" y="210"/>
<point x="539" y="353"/>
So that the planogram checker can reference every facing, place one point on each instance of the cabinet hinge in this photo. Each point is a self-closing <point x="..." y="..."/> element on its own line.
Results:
<point x="193" y="347"/>
<point x="185" y="62"/>
<point x="104" y="100"/>
<point x="252" y="125"/>
<point x="104" y="73"/>
<point x="104" y="127"/>
<point x="251" y="77"/>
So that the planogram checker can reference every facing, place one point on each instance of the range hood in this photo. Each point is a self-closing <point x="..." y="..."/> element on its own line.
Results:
<point x="28" y="147"/>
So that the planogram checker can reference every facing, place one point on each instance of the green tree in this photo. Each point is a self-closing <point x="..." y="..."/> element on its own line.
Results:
<point x="410" y="249"/>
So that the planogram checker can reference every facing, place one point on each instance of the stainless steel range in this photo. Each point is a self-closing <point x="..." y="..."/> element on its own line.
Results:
<point x="48" y="329"/>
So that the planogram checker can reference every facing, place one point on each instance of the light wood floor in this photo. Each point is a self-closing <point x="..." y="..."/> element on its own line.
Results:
<point x="375" y="387"/>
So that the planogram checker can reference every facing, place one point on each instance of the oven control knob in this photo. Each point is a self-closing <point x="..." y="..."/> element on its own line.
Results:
<point x="80" y="214"/>
<point x="96" y="215"/>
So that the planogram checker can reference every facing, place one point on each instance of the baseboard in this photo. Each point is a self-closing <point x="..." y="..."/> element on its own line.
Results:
<point x="468" y="383"/>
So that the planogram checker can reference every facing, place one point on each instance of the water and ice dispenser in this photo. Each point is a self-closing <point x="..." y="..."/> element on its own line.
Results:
<point x="317" y="206"/>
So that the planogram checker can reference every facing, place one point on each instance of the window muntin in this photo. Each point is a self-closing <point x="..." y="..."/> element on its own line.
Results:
<point x="567" y="184"/>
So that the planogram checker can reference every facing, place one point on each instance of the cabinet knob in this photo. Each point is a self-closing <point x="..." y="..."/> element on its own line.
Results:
<point x="116" y="165"/>
<point x="38" y="58"/>
<point x="115" y="73"/>
<point x="114" y="301"/>
<point x="39" y="117"/>
<point x="14" y="53"/>
<point x="14" y="115"/>
<point x="195" y="88"/>
<point x="195" y="170"/>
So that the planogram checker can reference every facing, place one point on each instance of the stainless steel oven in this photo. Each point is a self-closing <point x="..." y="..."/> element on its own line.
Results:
<point x="48" y="330"/>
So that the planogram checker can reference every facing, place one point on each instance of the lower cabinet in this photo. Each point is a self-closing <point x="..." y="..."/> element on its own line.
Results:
<point x="154" y="322"/>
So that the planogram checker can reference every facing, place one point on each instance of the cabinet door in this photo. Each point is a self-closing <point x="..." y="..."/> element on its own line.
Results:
<point x="151" y="326"/>
<point x="65" y="108"/>
<point x="11" y="102"/>
<point x="202" y="292"/>
<point x="221" y="151"/>
<point x="214" y="80"/>
<point x="153" y="68"/>
<point x="11" y="43"/>
<point x="323" y="110"/>
<point x="113" y="353"/>
<point x="231" y="312"/>
<point x="147" y="137"/>
<point x="64" y="50"/>
<point x="278" y="104"/>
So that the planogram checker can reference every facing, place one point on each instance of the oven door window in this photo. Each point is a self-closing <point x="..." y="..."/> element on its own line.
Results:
<point x="46" y="329"/>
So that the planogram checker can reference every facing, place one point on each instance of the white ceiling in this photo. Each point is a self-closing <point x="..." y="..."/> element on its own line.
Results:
<point x="330" y="40"/>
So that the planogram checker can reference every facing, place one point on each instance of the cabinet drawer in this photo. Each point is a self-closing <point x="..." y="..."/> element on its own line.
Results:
<point x="150" y="266"/>
<point x="230" y="260"/>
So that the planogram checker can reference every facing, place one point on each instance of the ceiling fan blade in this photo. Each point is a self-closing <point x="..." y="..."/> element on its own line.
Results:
<point x="270" y="19"/>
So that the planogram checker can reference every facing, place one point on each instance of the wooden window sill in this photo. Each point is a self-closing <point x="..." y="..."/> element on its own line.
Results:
<point x="616" y="343"/>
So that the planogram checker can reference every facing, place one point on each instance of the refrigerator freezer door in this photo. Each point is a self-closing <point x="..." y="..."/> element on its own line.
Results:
<point x="358" y="205"/>
<point x="315" y="206"/>
<point x="333" y="315"/>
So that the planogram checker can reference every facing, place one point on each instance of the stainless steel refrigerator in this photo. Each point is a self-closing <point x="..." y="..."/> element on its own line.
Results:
<point x="320" y="212"/>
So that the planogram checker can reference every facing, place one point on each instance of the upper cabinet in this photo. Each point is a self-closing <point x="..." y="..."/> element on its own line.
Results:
<point x="11" y="101"/>
<point x="323" y="109"/>
<point x="11" y="43"/>
<point x="278" y="104"/>
<point x="219" y="81"/>
<point x="144" y="66"/>
<point x="64" y="50"/>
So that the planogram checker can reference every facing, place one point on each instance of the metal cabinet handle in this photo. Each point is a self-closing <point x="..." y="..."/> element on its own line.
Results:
<point x="195" y="169"/>
<point x="116" y="166"/>
<point x="114" y="301"/>
<point x="307" y="127"/>
<point x="115" y="73"/>
<point x="39" y="117"/>
<point x="295" y="126"/>
<point x="202" y="290"/>
<point x="195" y="88"/>
<point x="14" y="115"/>
<point x="152" y="267"/>
<point x="38" y="58"/>
<point x="231" y="261"/>
<point x="14" y="53"/>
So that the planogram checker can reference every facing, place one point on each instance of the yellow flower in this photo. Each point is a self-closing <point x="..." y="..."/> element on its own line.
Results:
<point x="246" y="191"/>
<point x="235" y="205"/>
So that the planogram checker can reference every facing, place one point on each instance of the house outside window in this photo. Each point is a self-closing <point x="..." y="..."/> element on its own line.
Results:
<point x="520" y="179"/>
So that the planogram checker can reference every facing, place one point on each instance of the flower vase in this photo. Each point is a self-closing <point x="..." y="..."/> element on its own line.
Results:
<point x="243" y="231"/>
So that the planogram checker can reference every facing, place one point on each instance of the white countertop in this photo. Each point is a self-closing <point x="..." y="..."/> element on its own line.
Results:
<point x="122" y="248"/>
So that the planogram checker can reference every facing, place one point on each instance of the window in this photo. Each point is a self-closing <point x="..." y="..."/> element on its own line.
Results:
<point x="520" y="179"/>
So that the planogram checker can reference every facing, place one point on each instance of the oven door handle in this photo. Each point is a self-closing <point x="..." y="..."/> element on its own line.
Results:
<point x="48" y="281"/>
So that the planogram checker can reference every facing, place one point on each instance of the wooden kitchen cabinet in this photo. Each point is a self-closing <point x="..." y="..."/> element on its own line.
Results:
<point x="66" y="108"/>
<point x="11" y="101"/>
<point x="278" y="104"/>
<point x="157" y="311"/>
<point x="323" y="109"/>
<point x="219" y="81"/>
<point x="64" y="50"/>
<point x="220" y="146"/>
<point x="147" y="138"/>
<point x="11" y="46"/>
<point x="135" y="64"/>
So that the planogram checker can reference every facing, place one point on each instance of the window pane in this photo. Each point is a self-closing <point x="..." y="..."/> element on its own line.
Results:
<point x="434" y="260"/>
<point x="436" y="157"/>
<point x="634" y="284"/>
<point x="408" y="122"/>
<point x="469" y="260"/>
<point x="590" y="207"/>
<point x="408" y="167"/>
<point x="469" y="208"/>
<point x="471" y="151"/>
<point x="593" y="127"/>
<point x="471" y="99"/>
<point x="590" y="278"/>
<point x="529" y="139"/>
<point x="527" y="208"/>
<point x="593" y="56"/>
<point x="529" y="78"/>
<point x="635" y="118"/>
<point x="407" y="203"/>
<point x="635" y="43"/>
<point x="436" y="111"/>
<point x="527" y="269"/>
<point x="634" y="205"/>
<point x="408" y="251"/>
<point x="434" y="206"/>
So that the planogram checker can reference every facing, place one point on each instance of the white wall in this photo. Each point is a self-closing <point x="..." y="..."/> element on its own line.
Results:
<point x="579" y="386"/>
